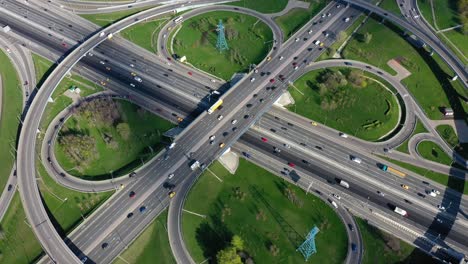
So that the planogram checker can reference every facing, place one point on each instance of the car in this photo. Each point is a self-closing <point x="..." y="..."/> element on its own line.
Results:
<point x="246" y="116"/>
<point x="132" y="194"/>
<point x="404" y="186"/>
<point x="303" y="144"/>
<point x="190" y="73"/>
<point x="272" y="80"/>
<point x="264" y="139"/>
<point x="212" y="137"/>
<point x="212" y="142"/>
<point x="171" y="194"/>
<point x="305" y="162"/>
<point x="170" y="176"/>
<point x="296" y="67"/>
<point x="130" y="215"/>
<point x="234" y="129"/>
<point x="132" y="85"/>
<point x="10" y="187"/>
<point x="221" y="145"/>
<point x="356" y="159"/>
<point x="350" y="226"/>
<point x="353" y="247"/>
<point x="338" y="6"/>
<point x="261" y="100"/>
<point x="220" y="117"/>
<point x="234" y="121"/>
<point x="268" y="58"/>
<point x="318" y="147"/>
<point x="254" y="95"/>
<point x="104" y="245"/>
<point x="381" y="193"/>
<point x="84" y="259"/>
<point x="314" y="123"/>
<point x="255" y="70"/>
<point x="142" y="209"/>
<point x="277" y="150"/>
<point x="310" y="31"/>
<point x="281" y="57"/>
<point x="225" y="134"/>
<point x="281" y="77"/>
<point x="133" y="174"/>
<point x="431" y="193"/>
<point x="337" y="196"/>
<point x="346" y="20"/>
<point x="292" y="165"/>
<point x="435" y="191"/>
<point x="213" y="80"/>
<point x="284" y="128"/>
<point x="343" y="135"/>
<point x="169" y="58"/>
<point x="286" y="145"/>
<point x="108" y="68"/>
<point x="138" y="79"/>
<point x="64" y="44"/>
<point x="102" y="62"/>
<point x="49" y="160"/>
<point x="296" y="40"/>
<point x="133" y="74"/>
<point x="328" y="14"/>
<point x="252" y="79"/>
<point x="249" y="105"/>
<point x="131" y="65"/>
<point x="273" y="130"/>
<point x="442" y="208"/>
<point x="323" y="15"/>
<point x="62" y="174"/>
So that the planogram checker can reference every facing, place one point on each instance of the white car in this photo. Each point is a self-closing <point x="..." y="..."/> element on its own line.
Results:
<point x="252" y="79"/>
<point x="323" y="15"/>
<point x="297" y="39"/>
<point x="337" y="196"/>
<point x="281" y="57"/>
<point x="317" y="42"/>
<point x="356" y="159"/>
<point x="442" y="208"/>
<point x="433" y="194"/>
<point x="286" y="145"/>
<point x="213" y="80"/>
<point x="212" y="137"/>
<point x="220" y="117"/>
<point x="234" y="121"/>
<point x="165" y="35"/>
<point x="435" y="191"/>
<point x="170" y="176"/>
<point x="343" y="135"/>
<point x="346" y="20"/>
<point x="132" y="85"/>
<point x="310" y="31"/>
<point x="296" y="67"/>
<point x="138" y="79"/>
<point x="131" y="65"/>
<point x="381" y="193"/>
<point x="102" y="62"/>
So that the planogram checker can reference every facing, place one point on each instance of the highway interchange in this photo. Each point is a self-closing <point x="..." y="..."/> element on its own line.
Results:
<point x="147" y="185"/>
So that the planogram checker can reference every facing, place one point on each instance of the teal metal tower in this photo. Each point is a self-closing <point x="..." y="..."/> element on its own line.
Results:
<point x="221" y="43"/>
<point x="308" y="247"/>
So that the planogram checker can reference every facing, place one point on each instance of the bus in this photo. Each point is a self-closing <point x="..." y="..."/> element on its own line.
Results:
<point x="215" y="106"/>
<point x="178" y="19"/>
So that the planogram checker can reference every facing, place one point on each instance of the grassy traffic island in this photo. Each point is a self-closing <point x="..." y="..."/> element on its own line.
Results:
<point x="255" y="215"/>
<point x="106" y="136"/>
<point x="248" y="38"/>
<point x="346" y="100"/>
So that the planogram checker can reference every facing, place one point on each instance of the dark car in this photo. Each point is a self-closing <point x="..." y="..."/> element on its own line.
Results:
<point x="10" y="187"/>
<point x="129" y="215"/>
<point x="132" y="194"/>
<point x="353" y="247"/>
<point x="104" y="245"/>
<point x="131" y="175"/>
<point x="351" y="227"/>
<point x="142" y="209"/>
<point x="62" y="174"/>
<point x="273" y="130"/>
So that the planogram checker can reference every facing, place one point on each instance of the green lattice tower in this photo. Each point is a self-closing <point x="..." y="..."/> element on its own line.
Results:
<point x="221" y="43"/>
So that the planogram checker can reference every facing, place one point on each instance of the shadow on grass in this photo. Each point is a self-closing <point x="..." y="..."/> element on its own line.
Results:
<point x="212" y="237"/>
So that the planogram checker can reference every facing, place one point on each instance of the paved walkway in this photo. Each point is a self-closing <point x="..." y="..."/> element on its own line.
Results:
<point x="230" y="161"/>
<point x="292" y="4"/>
<point x="402" y="72"/>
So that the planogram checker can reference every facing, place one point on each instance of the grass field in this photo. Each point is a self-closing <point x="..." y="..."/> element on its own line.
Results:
<point x="377" y="248"/>
<point x="446" y="13"/>
<point x="454" y="183"/>
<point x="426" y="11"/>
<point x="11" y="106"/>
<point x="368" y="113"/>
<point x="151" y="245"/>
<point x="262" y="6"/>
<point x="449" y="135"/>
<point x="197" y="41"/>
<point x="457" y="38"/>
<point x="298" y="17"/>
<point x="67" y="207"/>
<point x="145" y="34"/>
<point x="431" y="151"/>
<point x="391" y="5"/>
<point x="429" y="75"/>
<point x="18" y="245"/>
<point x="146" y="132"/>
<point x="235" y="206"/>
<point x="105" y="19"/>
<point x="418" y="129"/>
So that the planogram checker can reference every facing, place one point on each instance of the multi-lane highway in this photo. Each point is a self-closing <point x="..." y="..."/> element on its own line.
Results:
<point x="178" y="153"/>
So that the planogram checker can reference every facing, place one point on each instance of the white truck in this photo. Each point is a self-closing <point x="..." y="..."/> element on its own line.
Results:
<point x="400" y="211"/>
<point x="195" y="164"/>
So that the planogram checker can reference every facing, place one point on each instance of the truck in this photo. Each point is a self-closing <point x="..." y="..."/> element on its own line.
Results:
<point x="344" y="184"/>
<point x="392" y="170"/>
<point x="400" y="211"/>
<point x="6" y="29"/>
<point x="215" y="106"/>
<point x="195" y="164"/>
<point x="178" y="19"/>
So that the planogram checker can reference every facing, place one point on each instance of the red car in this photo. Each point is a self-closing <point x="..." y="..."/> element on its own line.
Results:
<point x="294" y="64"/>
<point x="291" y="164"/>
<point x="132" y="194"/>
<point x="272" y="80"/>
<point x="169" y="58"/>
<point x="189" y="73"/>
<point x="264" y="139"/>
<point x="64" y="44"/>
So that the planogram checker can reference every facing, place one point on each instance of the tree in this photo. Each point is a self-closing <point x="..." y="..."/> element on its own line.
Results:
<point x="367" y="37"/>
<point x="331" y="51"/>
<point x="237" y="242"/>
<point x="274" y="250"/>
<point x="228" y="256"/>
<point x="124" y="130"/>
<point x="342" y="35"/>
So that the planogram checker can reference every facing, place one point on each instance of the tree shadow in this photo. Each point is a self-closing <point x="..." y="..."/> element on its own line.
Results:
<point x="212" y="236"/>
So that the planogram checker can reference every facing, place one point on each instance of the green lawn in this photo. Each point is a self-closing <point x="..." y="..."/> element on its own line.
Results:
<point x="298" y="17"/>
<point x="426" y="11"/>
<point x="429" y="75"/>
<point x="197" y="41"/>
<point x="449" y="135"/>
<point x="446" y="13"/>
<point x="145" y="34"/>
<point x="383" y="248"/>
<point x="43" y="67"/>
<point x="146" y="132"/>
<point x="368" y="113"/>
<point x="235" y="206"/>
<point x="431" y="151"/>
<point x="11" y="107"/>
<point x="262" y="6"/>
<point x="151" y="245"/>
<point x="418" y="129"/>
<point x="391" y="5"/>
<point x="458" y="39"/>
<point x="18" y="245"/>
<point x="67" y="207"/>
<point x="454" y="183"/>
<point x="105" y="19"/>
